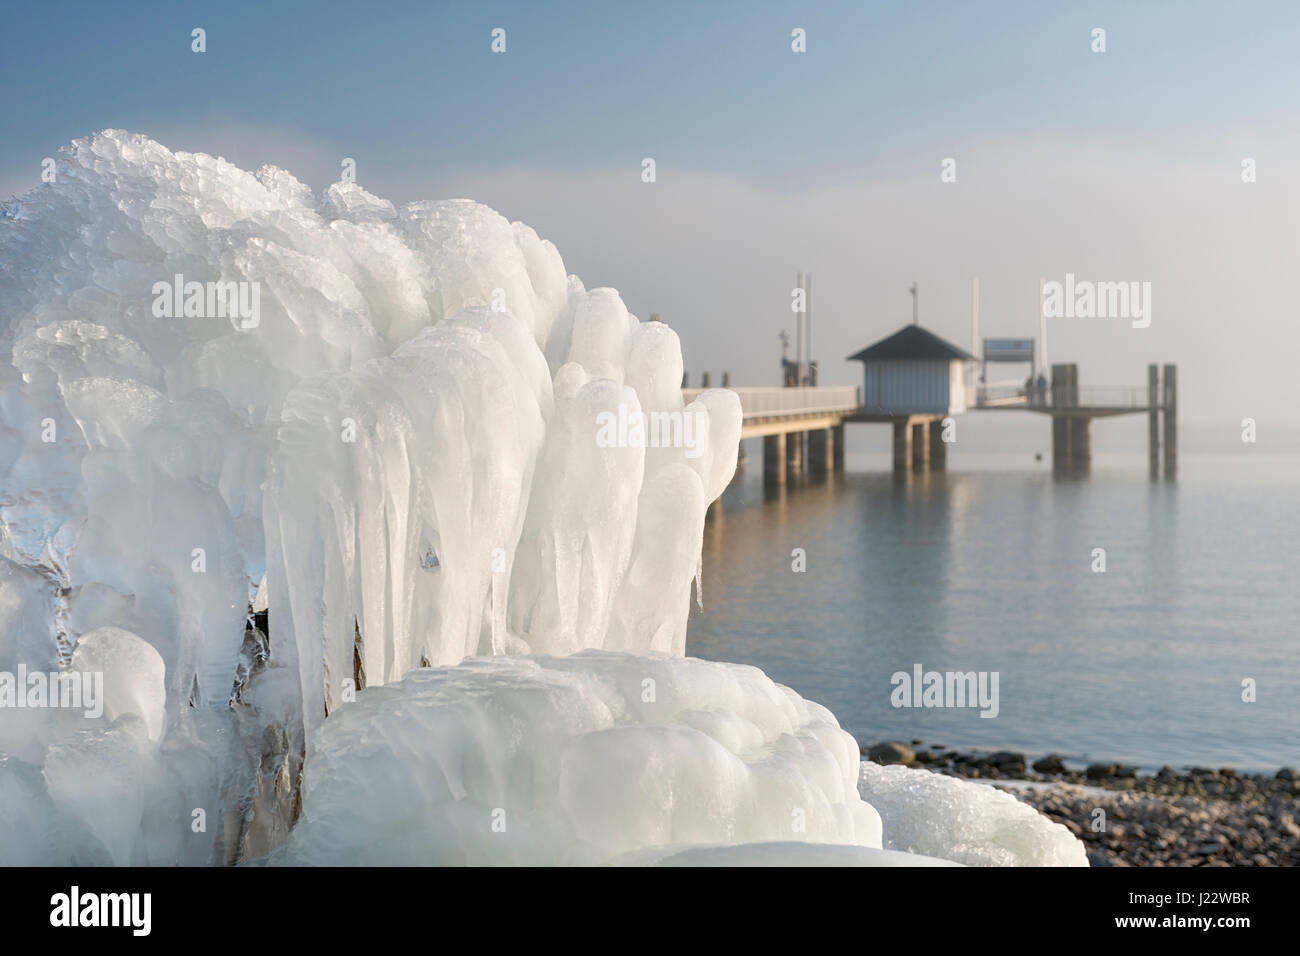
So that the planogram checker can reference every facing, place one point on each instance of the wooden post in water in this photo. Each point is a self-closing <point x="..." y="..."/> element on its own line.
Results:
<point x="1153" y="420"/>
<point x="938" y="448"/>
<point x="794" y="451"/>
<point x="920" y="445"/>
<point x="819" y="442"/>
<point x="774" y="460"/>
<point x="1060" y="443"/>
<point x="837" y="451"/>
<point x="1080" y="428"/>
<point x="1171" y="422"/>
<point x="902" y="444"/>
<point x="1060" y="423"/>
<point x="1080" y="443"/>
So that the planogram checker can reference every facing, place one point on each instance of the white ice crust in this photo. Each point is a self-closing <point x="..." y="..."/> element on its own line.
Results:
<point x="937" y="815"/>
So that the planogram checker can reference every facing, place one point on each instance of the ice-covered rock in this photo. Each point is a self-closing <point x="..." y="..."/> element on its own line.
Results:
<point x="575" y="760"/>
<point x="942" y="816"/>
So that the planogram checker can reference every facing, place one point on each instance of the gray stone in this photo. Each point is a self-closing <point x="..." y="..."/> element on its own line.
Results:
<point x="1008" y="761"/>
<point x="1052" y="763"/>
<point x="892" y="752"/>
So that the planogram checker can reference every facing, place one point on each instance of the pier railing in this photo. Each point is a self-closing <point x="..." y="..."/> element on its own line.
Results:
<point x="777" y="402"/>
<point x="1001" y="395"/>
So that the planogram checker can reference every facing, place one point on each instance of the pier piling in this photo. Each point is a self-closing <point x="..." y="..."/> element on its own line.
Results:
<point x="1153" y="420"/>
<point x="794" y="452"/>
<point x="820" y="450"/>
<point x="774" y="460"/>
<point x="1060" y="443"/>
<point x="902" y="444"/>
<point x="1071" y="426"/>
<point x="920" y="445"/>
<point x="938" y="447"/>
<point x="1080" y="443"/>
<point x="1170" y="405"/>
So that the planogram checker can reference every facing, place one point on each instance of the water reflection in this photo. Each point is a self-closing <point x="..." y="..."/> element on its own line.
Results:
<point x="994" y="571"/>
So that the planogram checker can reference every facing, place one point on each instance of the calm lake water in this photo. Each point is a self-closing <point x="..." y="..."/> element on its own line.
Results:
<point x="988" y="567"/>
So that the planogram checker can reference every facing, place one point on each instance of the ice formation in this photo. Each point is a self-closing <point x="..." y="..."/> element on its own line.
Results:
<point x="379" y="418"/>
<point x="967" y="822"/>
<point x="575" y="760"/>
<point x="223" y="394"/>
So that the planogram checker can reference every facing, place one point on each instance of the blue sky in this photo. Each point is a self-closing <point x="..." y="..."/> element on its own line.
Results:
<point x="711" y="87"/>
<point x="1116" y="166"/>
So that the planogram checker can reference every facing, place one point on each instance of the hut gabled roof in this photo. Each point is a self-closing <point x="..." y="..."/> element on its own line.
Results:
<point x="912" y="342"/>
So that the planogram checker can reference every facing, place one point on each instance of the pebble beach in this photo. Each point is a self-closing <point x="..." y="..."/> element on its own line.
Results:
<point x="1196" y="816"/>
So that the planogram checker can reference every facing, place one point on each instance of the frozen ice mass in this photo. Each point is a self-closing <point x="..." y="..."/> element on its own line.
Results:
<point x="579" y="759"/>
<point x="226" y="400"/>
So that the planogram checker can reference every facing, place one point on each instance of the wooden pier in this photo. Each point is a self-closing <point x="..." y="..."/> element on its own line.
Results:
<point x="803" y="427"/>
